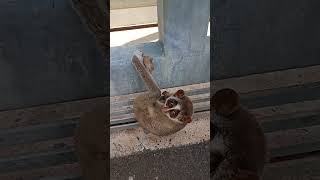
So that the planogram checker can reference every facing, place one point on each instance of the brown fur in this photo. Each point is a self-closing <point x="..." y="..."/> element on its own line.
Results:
<point x="91" y="144"/>
<point x="147" y="62"/>
<point x="238" y="149"/>
<point x="147" y="107"/>
<point x="93" y="131"/>
<point x="156" y="122"/>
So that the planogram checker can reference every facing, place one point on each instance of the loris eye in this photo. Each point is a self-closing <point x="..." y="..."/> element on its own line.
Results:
<point x="162" y="99"/>
<point x="171" y="103"/>
<point x="174" y="113"/>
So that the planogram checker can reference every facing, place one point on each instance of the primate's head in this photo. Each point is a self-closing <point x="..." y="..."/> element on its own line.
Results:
<point x="177" y="106"/>
<point x="225" y="101"/>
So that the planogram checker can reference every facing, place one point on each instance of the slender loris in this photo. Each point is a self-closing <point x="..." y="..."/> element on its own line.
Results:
<point x="238" y="147"/>
<point x="159" y="113"/>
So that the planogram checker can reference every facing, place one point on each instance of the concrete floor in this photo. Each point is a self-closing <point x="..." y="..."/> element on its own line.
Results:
<point x="179" y="163"/>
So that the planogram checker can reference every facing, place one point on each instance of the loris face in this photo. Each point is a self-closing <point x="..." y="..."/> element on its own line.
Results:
<point x="177" y="106"/>
<point x="225" y="102"/>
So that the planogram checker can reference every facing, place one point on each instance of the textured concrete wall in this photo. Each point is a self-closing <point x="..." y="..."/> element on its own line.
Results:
<point x="181" y="56"/>
<point x="262" y="36"/>
<point x="186" y="46"/>
<point x="46" y="55"/>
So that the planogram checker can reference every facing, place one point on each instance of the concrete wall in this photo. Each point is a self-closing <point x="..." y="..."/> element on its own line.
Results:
<point x="262" y="36"/>
<point x="46" y="55"/>
<point x="183" y="33"/>
<point x="181" y="56"/>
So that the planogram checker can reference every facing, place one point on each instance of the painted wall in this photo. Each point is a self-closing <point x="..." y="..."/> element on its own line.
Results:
<point x="181" y="56"/>
<point x="46" y="55"/>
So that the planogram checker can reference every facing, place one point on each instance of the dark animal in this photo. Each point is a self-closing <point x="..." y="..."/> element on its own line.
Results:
<point x="238" y="147"/>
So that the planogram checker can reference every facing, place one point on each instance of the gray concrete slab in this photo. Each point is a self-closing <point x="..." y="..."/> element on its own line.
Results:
<point x="179" y="163"/>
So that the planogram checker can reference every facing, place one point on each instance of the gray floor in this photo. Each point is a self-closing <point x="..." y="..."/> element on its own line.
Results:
<point x="189" y="162"/>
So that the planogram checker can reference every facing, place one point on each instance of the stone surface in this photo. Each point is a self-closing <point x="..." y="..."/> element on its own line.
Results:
<point x="179" y="163"/>
<point x="135" y="140"/>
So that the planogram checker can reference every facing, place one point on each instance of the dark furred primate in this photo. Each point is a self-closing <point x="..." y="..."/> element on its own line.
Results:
<point x="91" y="143"/>
<point x="238" y="147"/>
<point x="159" y="113"/>
<point x="91" y="135"/>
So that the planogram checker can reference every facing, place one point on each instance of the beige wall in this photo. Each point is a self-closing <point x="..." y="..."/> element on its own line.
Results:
<point x="132" y="12"/>
<point x="124" y="4"/>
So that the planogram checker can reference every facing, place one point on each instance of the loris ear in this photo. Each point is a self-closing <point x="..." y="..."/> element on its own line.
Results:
<point x="187" y="119"/>
<point x="165" y="93"/>
<point x="179" y="93"/>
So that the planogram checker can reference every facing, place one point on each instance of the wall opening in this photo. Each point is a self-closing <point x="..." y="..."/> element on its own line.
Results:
<point x="133" y="22"/>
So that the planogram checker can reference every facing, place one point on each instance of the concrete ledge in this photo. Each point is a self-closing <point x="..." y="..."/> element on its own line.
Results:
<point x="131" y="141"/>
<point x="270" y="80"/>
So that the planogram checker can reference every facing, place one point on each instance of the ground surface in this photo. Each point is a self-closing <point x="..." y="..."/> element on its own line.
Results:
<point x="185" y="162"/>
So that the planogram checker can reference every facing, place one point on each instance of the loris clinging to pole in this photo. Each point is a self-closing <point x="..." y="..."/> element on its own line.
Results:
<point x="238" y="147"/>
<point x="159" y="113"/>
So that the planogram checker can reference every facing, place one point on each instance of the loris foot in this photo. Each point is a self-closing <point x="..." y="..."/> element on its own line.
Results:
<point x="147" y="62"/>
<point x="139" y="54"/>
